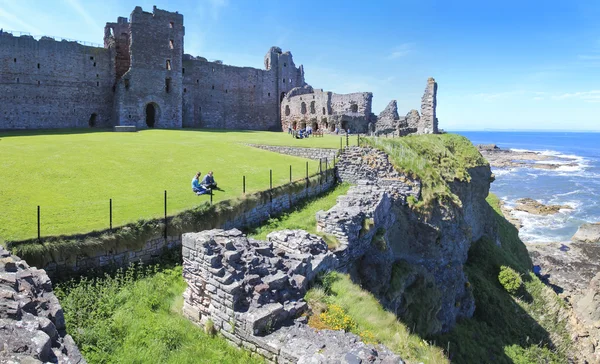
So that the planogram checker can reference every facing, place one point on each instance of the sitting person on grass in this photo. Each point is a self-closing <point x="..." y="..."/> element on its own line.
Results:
<point x="196" y="187"/>
<point x="208" y="181"/>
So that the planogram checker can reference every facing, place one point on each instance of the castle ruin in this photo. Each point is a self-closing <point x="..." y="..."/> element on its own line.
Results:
<point x="141" y="77"/>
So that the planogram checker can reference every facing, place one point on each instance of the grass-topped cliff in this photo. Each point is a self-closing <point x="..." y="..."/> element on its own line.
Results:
<point x="435" y="159"/>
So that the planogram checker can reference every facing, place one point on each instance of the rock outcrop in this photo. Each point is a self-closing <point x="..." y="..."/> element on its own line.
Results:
<point x="537" y="208"/>
<point x="588" y="233"/>
<point x="384" y="243"/>
<point x="32" y="325"/>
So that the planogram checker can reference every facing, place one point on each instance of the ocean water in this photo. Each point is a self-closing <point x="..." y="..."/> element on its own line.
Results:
<point x="577" y="186"/>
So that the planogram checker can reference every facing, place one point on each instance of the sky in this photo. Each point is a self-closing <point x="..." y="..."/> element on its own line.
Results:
<point x="499" y="65"/>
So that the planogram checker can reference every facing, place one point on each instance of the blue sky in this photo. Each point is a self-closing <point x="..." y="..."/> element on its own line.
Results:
<point x="499" y="64"/>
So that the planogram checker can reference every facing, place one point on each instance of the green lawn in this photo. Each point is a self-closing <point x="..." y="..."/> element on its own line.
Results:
<point x="72" y="174"/>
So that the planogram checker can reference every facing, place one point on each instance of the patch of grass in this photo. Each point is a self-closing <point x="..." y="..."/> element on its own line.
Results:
<point x="371" y="320"/>
<point x="303" y="217"/>
<point x="134" y="317"/>
<point x="72" y="175"/>
<point x="435" y="159"/>
<point x="134" y="236"/>
<point x="525" y="328"/>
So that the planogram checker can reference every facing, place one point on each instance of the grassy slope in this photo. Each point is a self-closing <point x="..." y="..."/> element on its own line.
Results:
<point x="303" y="216"/>
<point x="434" y="159"/>
<point x="529" y="327"/>
<point x="72" y="175"/>
<point x="135" y="317"/>
<point x="368" y="314"/>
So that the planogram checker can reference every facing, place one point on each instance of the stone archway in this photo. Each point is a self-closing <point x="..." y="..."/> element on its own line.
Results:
<point x="151" y="114"/>
<point x="92" y="121"/>
<point x="344" y="125"/>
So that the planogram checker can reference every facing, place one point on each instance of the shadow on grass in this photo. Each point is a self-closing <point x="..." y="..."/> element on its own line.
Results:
<point x="36" y="132"/>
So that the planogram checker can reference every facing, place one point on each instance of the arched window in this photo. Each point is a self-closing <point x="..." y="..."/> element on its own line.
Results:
<point x="323" y="110"/>
<point x="303" y="108"/>
<point x="354" y="108"/>
<point x="287" y="110"/>
<point x="312" y="107"/>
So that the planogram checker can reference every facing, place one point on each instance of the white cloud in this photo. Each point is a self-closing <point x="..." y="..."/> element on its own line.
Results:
<point x="587" y="96"/>
<point x="401" y="51"/>
<point x="212" y="7"/>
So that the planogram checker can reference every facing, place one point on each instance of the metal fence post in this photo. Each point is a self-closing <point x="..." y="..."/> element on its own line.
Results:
<point x="270" y="179"/>
<point x="326" y="170"/>
<point x="38" y="220"/>
<point x="244" y="184"/>
<point x="358" y="139"/>
<point x="347" y="139"/>
<point x="211" y="196"/>
<point x="165" y="216"/>
<point x="306" y="174"/>
<point x="110" y="213"/>
<point x="290" y="173"/>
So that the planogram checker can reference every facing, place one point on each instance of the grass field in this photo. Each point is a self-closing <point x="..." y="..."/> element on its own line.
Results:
<point x="72" y="174"/>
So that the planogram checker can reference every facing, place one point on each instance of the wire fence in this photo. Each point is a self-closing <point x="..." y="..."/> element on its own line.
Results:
<point x="149" y="207"/>
<point x="325" y="171"/>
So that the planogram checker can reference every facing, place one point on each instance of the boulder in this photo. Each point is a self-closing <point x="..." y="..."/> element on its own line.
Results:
<point x="537" y="208"/>
<point x="588" y="233"/>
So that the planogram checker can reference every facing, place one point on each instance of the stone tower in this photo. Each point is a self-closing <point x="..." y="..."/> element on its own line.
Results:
<point x="287" y="76"/>
<point x="149" y="93"/>
<point x="429" y="122"/>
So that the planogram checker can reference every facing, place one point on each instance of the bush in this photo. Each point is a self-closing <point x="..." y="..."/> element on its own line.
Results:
<point x="510" y="279"/>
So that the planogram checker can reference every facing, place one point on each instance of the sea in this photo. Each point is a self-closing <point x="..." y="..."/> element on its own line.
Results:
<point x="576" y="186"/>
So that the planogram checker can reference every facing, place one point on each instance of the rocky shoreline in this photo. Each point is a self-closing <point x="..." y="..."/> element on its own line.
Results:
<point x="507" y="158"/>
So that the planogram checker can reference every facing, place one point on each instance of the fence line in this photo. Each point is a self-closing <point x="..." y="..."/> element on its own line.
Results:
<point x="55" y="38"/>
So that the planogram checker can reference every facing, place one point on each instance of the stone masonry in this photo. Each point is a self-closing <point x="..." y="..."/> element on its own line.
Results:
<point x="309" y="153"/>
<point x="252" y="291"/>
<point x="141" y="77"/>
<point x="32" y="325"/>
<point x="389" y="122"/>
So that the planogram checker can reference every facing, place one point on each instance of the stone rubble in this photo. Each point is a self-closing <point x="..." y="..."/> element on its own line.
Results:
<point x="251" y="291"/>
<point x="32" y="324"/>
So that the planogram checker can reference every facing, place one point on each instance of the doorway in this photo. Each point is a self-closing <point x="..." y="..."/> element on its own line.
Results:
<point x="150" y="115"/>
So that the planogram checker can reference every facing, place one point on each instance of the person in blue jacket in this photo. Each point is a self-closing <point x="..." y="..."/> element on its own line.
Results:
<point x="197" y="187"/>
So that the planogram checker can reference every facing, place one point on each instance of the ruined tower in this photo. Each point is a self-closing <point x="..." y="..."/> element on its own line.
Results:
<point x="428" y="121"/>
<point x="149" y="93"/>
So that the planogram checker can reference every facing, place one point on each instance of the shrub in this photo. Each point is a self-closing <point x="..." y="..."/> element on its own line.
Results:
<point x="337" y="319"/>
<point x="510" y="279"/>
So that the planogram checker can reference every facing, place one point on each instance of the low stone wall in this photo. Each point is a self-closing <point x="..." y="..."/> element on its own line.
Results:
<point x="102" y="256"/>
<point x="251" y="291"/>
<point x="309" y="153"/>
<point x="32" y="325"/>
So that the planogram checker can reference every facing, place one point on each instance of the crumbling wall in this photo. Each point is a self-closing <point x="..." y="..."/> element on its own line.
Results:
<point x="326" y="111"/>
<point x="389" y="122"/>
<point x="248" y="289"/>
<point x="31" y="319"/>
<point x="54" y="84"/>
<point x="150" y="93"/>
<point x="429" y="122"/>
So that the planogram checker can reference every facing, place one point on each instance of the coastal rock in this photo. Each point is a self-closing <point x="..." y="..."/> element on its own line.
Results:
<point x="535" y="207"/>
<point x="567" y="268"/>
<point x="507" y="158"/>
<point x="588" y="307"/>
<point x="588" y="233"/>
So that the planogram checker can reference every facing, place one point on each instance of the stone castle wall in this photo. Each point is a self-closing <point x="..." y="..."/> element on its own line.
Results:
<point x="153" y="85"/>
<point x="54" y="84"/>
<point x="326" y="110"/>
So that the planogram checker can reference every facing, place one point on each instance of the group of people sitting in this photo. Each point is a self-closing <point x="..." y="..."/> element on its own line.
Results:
<point x="206" y="185"/>
<point x="301" y="133"/>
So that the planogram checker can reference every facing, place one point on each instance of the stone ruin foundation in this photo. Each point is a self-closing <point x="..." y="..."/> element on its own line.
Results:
<point x="32" y="324"/>
<point x="252" y="292"/>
